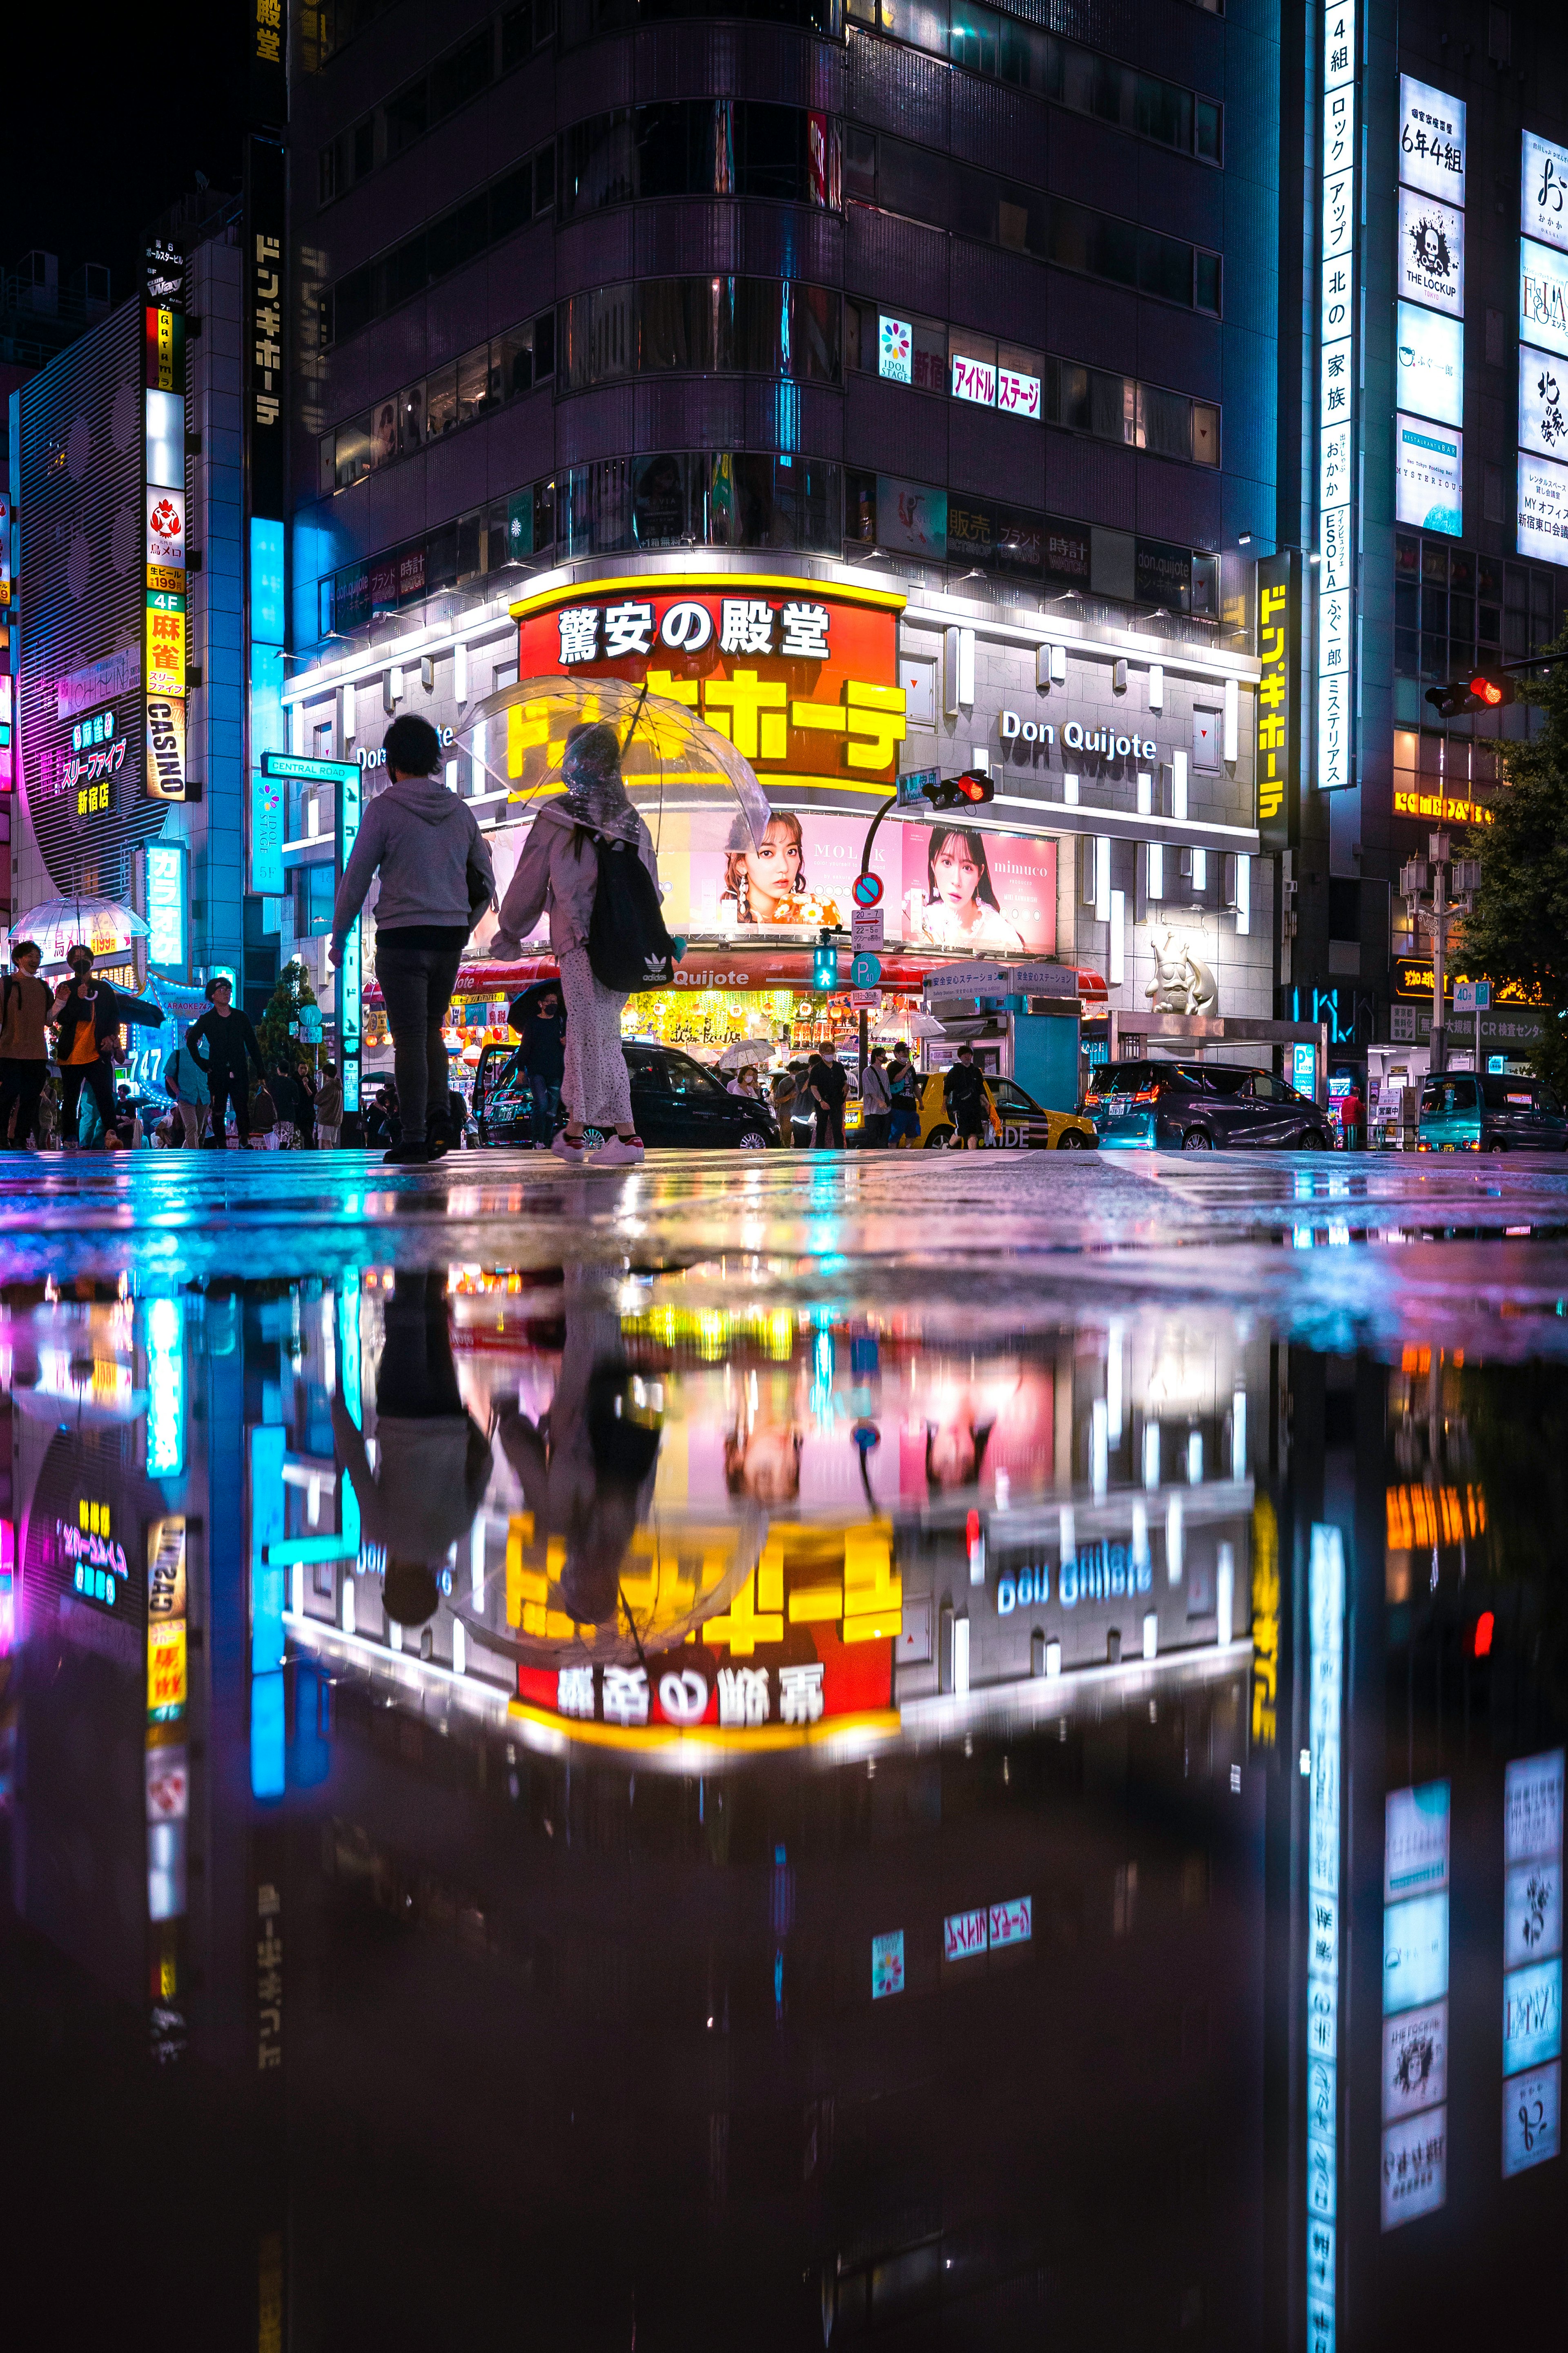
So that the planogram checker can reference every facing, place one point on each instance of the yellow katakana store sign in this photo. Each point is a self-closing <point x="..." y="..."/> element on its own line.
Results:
<point x="801" y="677"/>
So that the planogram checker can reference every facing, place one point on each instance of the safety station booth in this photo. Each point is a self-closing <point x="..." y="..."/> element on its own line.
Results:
<point x="1022" y="1021"/>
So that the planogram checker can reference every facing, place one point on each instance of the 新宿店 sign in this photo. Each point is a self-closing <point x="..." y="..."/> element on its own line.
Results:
<point x="800" y="676"/>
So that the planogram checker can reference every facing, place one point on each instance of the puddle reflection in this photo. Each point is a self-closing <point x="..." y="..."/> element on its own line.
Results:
<point x="791" y="1823"/>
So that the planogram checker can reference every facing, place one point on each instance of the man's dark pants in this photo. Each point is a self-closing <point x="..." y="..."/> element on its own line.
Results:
<point x="416" y="987"/>
<point x="21" y="1084"/>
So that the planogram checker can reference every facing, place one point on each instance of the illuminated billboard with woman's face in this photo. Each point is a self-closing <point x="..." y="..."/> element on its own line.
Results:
<point x="943" y="885"/>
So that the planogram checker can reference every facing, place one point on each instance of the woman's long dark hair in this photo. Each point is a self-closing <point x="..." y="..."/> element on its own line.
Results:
<point x="976" y="843"/>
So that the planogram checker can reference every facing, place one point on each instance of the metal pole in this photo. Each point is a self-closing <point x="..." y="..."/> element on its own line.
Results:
<point x="891" y="802"/>
<point x="865" y="1057"/>
<point x="1438" y="1056"/>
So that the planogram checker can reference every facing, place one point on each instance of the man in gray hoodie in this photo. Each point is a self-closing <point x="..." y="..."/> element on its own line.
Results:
<point x="435" y="882"/>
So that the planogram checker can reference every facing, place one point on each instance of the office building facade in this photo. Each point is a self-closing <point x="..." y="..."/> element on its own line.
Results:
<point x="1421" y="401"/>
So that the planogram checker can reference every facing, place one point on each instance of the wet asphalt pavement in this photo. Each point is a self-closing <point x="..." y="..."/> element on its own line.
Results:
<point x="876" y="1750"/>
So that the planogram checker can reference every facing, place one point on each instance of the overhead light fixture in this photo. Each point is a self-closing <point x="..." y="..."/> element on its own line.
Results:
<point x="1243" y="539"/>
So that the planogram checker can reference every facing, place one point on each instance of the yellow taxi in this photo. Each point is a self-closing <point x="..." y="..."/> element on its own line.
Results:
<point x="1017" y="1123"/>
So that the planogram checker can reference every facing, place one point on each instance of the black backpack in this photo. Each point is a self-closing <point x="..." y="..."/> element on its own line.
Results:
<point x="628" y="947"/>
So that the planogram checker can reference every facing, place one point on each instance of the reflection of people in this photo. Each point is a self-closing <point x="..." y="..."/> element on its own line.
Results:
<point x="413" y="417"/>
<point x="959" y="907"/>
<point x="559" y="869"/>
<point x="383" y="434"/>
<point x="586" y="1466"/>
<point x="432" y="1460"/>
<point x="757" y="875"/>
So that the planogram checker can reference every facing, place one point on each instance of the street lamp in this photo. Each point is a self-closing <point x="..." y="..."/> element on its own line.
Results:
<point x="1435" y="895"/>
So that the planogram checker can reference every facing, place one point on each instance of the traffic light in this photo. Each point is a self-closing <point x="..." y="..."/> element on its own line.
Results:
<point x="825" y="967"/>
<point x="958" y="792"/>
<point x="1484" y="689"/>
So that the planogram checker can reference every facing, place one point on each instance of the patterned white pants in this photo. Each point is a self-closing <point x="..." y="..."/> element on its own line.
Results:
<point x="597" y="1089"/>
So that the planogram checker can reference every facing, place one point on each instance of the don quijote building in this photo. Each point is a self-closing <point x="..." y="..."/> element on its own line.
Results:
<point x="931" y="363"/>
<point x="1120" y="837"/>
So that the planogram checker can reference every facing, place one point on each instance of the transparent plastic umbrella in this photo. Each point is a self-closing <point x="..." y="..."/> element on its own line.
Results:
<point x="673" y="764"/>
<point x="101" y="925"/>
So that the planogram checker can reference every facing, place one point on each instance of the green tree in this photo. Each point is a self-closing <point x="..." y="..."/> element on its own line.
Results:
<point x="285" y="1005"/>
<point x="1519" y="931"/>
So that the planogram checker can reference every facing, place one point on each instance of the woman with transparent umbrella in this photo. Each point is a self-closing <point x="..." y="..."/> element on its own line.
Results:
<point x="560" y="870"/>
<point x="591" y="760"/>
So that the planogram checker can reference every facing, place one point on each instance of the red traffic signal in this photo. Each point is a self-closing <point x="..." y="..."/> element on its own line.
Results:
<point x="1485" y="690"/>
<point x="956" y="792"/>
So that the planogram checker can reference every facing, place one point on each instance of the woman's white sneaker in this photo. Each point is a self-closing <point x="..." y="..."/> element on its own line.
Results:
<point x="618" y="1152"/>
<point x="563" y="1150"/>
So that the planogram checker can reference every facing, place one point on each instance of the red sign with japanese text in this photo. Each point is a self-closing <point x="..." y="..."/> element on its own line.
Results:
<point x="801" y="677"/>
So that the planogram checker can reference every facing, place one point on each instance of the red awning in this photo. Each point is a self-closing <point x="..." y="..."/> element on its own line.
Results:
<point x="747" y="967"/>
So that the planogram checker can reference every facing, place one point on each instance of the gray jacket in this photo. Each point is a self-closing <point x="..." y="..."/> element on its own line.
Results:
<point x="435" y="862"/>
<point x="557" y="872"/>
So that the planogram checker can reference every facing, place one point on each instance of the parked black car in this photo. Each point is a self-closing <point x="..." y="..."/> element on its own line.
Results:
<point x="675" y="1101"/>
<point x="1202" y="1107"/>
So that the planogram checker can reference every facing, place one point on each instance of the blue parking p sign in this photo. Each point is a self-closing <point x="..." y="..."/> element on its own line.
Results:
<point x="865" y="971"/>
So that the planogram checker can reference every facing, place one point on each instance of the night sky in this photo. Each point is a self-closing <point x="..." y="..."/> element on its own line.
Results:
<point x="109" y="117"/>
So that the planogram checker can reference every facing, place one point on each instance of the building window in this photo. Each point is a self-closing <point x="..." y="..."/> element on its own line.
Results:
<point x="912" y="181"/>
<point x="463" y="393"/>
<point x="979" y="369"/>
<point x="524" y="192"/>
<point x="704" y="325"/>
<point x="699" y="147"/>
<point x="985" y="41"/>
<point x="460" y="74"/>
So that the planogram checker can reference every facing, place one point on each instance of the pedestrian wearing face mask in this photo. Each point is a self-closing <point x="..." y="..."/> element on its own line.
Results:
<point x="89" y="1015"/>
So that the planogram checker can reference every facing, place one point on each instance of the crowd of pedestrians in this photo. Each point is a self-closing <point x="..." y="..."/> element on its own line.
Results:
<point x="587" y="853"/>
<point x="61" y="1047"/>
